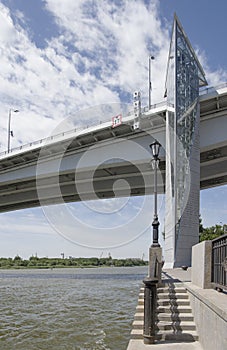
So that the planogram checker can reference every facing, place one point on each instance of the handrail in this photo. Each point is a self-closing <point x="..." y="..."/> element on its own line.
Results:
<point x="208" y="90"/>
<point x="219" y="262"/>
<point x="72" y="131"/>
<point x="130" y="113"/>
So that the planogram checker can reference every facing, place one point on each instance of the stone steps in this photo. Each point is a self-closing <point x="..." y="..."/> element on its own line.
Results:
<point x="177" y="336"/>
<point x="174" y="309"/>
<point x="175" y="321"/>
<point x="168" y="303"/>
<point x="171" y="290"/>
<point x="181" y="317"/>
<point x="168" y="325"/>
<point x="167" y="317"/>
<point x="176" y="325"/>
<point x="172" y="296"/>
<point x="167" y="308"/>
<point x="173" y="302"/>
<point x="174" y="288"/>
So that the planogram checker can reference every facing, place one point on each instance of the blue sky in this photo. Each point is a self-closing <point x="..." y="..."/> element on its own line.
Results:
<point x="60" y="57"/>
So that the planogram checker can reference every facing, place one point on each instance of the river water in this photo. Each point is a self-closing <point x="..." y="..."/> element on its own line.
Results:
<point x="68" y="309"/>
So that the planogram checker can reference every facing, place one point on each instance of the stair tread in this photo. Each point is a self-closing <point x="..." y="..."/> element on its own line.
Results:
<point x="172" y="291"/>
<point x="171" y="301"/>
<point x="172" y="295"/>
<point x="168" y="335"/>
<point x="182" y="323"/>
<point x="161" y="322"/>
<point x="174" y="302"/>
<point x="179" y="314"/>
<point x="163" y="315"/>
<point x="174" y="299"/>
<point x="176" y="332"/>
<point x="160" y="289"/>
<point x="140" y="331"/>
<point x="173" y="307"/>
<point x="167" y="314"/>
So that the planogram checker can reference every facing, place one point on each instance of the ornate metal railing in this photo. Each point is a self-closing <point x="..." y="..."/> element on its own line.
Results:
<point x="219" y="262"/>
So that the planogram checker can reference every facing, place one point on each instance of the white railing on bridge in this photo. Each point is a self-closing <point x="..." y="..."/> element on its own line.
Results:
<point x="206" y="91"/>
<point x="76" y="130"/>
<point x="212" y="89"/>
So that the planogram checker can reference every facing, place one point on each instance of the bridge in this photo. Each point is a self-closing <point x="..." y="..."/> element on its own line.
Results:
<point x="18" y="169"/>
<point x="51" y="171"/>
<point x="113" y="159"/>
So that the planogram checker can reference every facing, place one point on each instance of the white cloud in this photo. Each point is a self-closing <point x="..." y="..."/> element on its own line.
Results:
<point x="120" y="36"/>
<point x="99" y="55"/>
<point x="214" y="77"/>
<point x="26" y="223"/>
<point x="7" y="33"/>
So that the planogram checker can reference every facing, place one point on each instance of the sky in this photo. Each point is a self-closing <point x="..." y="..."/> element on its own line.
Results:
<point x="62" y="57"/>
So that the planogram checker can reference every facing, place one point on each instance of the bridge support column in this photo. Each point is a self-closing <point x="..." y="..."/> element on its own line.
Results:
<point x="182" y="201"/>
<point x="184" y="78"/>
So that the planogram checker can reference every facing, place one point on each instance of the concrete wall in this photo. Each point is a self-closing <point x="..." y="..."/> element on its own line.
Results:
<point x="201" y="264"/>
<point x="209" y="309"/>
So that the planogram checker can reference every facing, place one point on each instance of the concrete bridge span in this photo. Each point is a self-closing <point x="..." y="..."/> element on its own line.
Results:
<point x="111" y="154"/>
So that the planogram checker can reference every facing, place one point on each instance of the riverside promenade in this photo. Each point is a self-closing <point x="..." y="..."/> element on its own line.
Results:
<point x="182" y="277"/>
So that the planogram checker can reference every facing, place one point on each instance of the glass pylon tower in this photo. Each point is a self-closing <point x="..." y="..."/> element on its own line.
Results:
<point x="184" y="78"/>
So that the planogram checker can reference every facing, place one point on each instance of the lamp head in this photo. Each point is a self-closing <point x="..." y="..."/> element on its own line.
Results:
<point x="155" y="147"/>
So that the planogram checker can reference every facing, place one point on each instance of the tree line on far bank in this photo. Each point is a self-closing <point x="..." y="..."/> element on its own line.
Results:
<point x="212" y="232"/>
<point x="208" y="233"/>
<point x="36" y="262"/>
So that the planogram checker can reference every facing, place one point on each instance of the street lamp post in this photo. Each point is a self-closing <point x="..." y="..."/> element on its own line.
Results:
<point x="149" y="78"/>
<point x="9" y="126"/>
<point x="155" y="147"/>
<point x="155" y="259"/>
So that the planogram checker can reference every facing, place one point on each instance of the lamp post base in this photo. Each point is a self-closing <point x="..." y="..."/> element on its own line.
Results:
<point x="150" y="301"/>
<point x="155" y="263"/>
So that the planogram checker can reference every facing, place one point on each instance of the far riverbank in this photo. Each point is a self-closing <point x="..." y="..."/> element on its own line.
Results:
<point x="35" y="262"/>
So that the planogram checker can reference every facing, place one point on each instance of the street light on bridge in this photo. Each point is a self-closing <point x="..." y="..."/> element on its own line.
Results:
<point x="155" y="148"/>
<point x="10" y="133"/>
<point x="149" y="78"/>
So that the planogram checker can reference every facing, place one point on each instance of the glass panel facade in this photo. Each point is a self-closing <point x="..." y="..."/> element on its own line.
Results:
<point x="184" y="77"/>
<point x="187" y="91"/>
<point x="187" y="83"/>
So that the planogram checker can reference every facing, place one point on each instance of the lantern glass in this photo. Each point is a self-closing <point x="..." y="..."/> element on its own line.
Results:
<point x="155" y="146"/>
